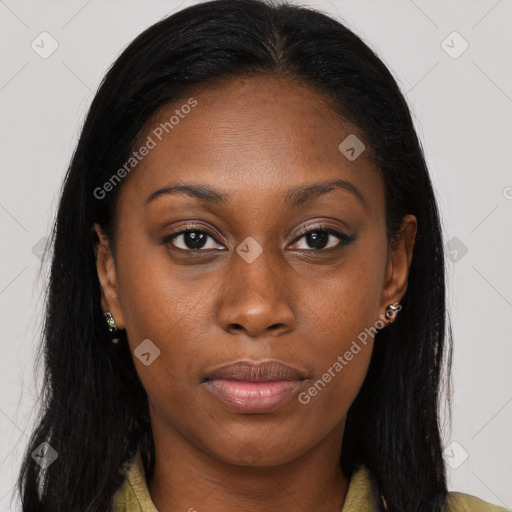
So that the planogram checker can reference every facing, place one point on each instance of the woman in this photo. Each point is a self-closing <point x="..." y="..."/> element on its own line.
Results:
<point x="246" y="308"/>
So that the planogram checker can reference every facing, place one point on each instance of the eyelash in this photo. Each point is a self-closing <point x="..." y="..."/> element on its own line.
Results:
<point x="344" y="240"/>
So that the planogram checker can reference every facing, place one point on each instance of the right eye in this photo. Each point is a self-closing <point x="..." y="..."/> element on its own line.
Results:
<point x="191" y="239"/>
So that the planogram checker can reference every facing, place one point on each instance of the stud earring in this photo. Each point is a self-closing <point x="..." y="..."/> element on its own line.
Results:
<point x="391" y="312"/>
<point x="112" y="326"/>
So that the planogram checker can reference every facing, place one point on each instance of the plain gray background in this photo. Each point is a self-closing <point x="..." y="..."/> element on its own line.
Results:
<point x="462" y="105"/>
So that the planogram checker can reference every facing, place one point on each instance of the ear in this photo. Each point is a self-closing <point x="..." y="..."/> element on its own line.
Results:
<point x="107" y="276"/>
<point x="398" y="264"/>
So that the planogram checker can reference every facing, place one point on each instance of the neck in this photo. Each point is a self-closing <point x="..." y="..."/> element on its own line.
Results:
<point x="189" y="479"/>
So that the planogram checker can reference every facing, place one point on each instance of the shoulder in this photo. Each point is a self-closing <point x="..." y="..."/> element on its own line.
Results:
<point x="133" y="494"/>
<point x="461" y="502"/>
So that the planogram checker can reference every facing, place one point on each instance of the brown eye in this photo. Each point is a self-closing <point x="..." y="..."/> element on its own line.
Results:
<point x="322" y="238"/>
<point x="192" y="240"/>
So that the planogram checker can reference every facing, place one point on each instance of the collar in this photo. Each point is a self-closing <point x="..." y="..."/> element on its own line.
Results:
<point x="133" y="495"/>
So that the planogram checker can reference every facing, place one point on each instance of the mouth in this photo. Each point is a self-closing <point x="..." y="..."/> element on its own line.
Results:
<point x="250" y="387"/>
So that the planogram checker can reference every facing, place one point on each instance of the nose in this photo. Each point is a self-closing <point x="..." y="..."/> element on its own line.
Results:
<point x="255" y="298"/>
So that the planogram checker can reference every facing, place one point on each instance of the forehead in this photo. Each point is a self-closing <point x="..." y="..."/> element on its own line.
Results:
<point x="250" y="134"/>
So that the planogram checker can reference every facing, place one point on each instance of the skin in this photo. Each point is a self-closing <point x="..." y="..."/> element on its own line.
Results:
<point x="252" y="138"/>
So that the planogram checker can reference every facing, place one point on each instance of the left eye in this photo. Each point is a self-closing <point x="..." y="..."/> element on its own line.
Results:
<point x="322" y="239"/>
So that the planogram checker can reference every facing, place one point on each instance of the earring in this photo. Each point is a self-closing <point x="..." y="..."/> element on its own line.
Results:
<point x="391" y="312"/>
<point x="112" y="326"/>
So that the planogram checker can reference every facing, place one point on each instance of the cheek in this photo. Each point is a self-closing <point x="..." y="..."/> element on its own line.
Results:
<point x="342" y="318"/>
<point x="157" y="298"/>
<point x="343" y="305"/>
<point x="165" y="304"/>
<point x="341" y="352"/>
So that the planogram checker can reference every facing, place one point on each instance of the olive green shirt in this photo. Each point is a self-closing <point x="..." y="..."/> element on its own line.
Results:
<point x="362" y="495"/>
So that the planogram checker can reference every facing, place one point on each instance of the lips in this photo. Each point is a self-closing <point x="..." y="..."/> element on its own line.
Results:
<point x="264" y="371"/>
<point x="250" y="387"/>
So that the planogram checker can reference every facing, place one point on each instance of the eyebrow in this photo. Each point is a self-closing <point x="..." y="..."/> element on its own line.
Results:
<point x="293" y="197"/>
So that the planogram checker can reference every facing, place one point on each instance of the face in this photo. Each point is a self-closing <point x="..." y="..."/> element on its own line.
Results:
<point x="246" y="267"/>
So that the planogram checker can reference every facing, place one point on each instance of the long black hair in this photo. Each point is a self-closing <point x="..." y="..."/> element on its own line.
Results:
<point x="94" y="410"/>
